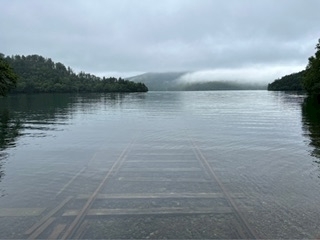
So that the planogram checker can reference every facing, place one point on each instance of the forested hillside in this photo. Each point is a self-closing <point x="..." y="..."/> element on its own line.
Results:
<point x="292" y="82"/>
<point x="311" y="78"/>
<point x="38" y="74"/>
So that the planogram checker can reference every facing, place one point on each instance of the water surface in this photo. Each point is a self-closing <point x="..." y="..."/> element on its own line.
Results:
<point x="226" y="164"/>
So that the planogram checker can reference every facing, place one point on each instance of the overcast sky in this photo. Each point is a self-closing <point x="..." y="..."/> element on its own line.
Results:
<point x="224" y="38"/>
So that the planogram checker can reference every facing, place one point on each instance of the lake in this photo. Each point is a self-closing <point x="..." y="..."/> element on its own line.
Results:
<point x="188" y="165"/>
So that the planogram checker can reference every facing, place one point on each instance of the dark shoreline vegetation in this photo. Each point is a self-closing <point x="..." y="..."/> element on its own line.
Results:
<point x="292" y="82"/>
<point x="307" y="80"/>
<point x="36" y="74"/>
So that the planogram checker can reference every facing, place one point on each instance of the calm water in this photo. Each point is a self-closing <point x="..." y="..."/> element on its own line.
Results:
<point x="227" y="164"/>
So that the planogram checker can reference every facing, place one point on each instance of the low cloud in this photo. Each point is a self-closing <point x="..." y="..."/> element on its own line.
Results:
<point x="247" y="75"/>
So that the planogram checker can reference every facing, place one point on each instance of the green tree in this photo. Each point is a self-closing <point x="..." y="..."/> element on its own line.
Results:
<point x="311" y="79"/>
<point x="38" y="74"/>
<point x="8" y="79"/>
<point x="292" y="82"/>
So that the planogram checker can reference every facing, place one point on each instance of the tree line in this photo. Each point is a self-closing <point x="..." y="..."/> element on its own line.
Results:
<point x="36" y="74"/>
<point x="291" y="82"/>
<point x="307" y="80"/>
<point x="8" y="79"/>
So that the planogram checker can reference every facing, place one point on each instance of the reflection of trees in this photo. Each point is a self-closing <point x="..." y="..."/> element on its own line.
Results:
<point x="311" y="123"/>
<point x="291" y="99"/>
<point x="22" y="114"/>
<point x="9" y="131"/>
<point x="27" y="112"/>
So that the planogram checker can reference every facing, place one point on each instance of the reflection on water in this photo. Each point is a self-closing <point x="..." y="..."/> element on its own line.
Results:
<point x="9" y="131"/>
<point x="166" y="165"/>
<point x="36" y="115"/>
<point x="311" y="123"/>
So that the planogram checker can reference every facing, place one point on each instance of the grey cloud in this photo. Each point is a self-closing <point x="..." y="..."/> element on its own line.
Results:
<point x="171" y="35"/>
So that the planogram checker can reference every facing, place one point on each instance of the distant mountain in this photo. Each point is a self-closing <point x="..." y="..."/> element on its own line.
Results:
<point x="171" y="81"/>
<point x="292" y="82"/>
<point x="159" y="81"/>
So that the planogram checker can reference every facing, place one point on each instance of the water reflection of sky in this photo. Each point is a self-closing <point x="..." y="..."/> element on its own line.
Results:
<point x="44" y="114"/>
<point x="41" y="115"/>
<point x="256" y="141"/>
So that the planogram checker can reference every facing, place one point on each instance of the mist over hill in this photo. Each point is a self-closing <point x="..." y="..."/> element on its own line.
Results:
<point x="180" y="81"/>
<point x="160" y="81"/>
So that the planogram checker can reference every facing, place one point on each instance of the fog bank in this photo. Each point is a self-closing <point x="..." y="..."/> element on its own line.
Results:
<point x="249" y="75"/>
